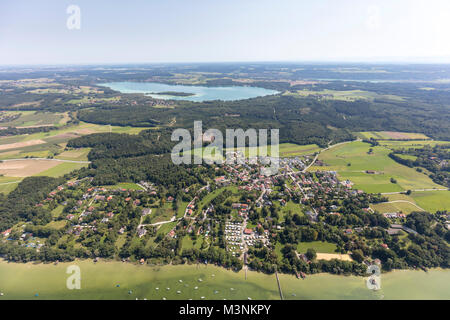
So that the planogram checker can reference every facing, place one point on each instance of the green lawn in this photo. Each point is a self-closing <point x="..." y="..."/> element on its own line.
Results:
<point x="290" y="207"/>
<point x="319" y="246"/>
<point x="188" y="243"/>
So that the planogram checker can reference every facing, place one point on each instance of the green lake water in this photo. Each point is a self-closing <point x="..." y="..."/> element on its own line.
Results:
<point x="116" y="280"/>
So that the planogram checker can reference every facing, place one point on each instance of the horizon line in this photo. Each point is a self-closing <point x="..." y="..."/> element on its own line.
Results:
<point x="312" y="62"/>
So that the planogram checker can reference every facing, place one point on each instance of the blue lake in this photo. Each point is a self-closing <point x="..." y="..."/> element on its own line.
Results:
<point x="199" y="93"/>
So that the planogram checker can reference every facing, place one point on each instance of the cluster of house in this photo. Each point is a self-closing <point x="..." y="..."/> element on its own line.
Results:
<point x="394" y="215"/>
<point x="252" y="237"/>
<point x="295" y="162"/>
<point x="243" y="208"/>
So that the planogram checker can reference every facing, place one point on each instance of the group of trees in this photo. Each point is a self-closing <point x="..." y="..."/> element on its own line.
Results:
<point x="20" y="204"/>
<point x="435" y="159"/>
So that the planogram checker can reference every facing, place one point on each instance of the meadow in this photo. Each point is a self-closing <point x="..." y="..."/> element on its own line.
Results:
<point x="391" y="135"/>
<point x="344" y="95"/>
<point x="35" y="119"/>
<point x="352" y="160"/>
<point x="432" y="200"/>
<point x="402" y="207"/>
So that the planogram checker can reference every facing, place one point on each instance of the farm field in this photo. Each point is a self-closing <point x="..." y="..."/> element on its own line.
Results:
<point x="34" y="119"/>
<point x="396" y="144"/>
<point x="392" y="135"/>
<point x="61" y="169"/>
<point x="44" y="144"/>
<point x="345" y="95"/>
<point x="76" y="155"/>
<point x="351" y="161"/>
<point x="26" y="168"/>
<point x="126" y="281"/>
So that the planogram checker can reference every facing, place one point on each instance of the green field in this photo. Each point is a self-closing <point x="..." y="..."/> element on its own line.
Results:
<point x="428" y="200"/>
<point x="285" y="150"/>
<point x="432" y="200"/>
<point x="344" y="95"/>
<point x="54" y="141"/>
<point x="389" y="135"/>
<point x="80" y="154"/>
<point x="162" y="214"/>
<point x="356" y="154"/>
<point x="319" y="246"/>
<point x="402" y="207"/>
<point x="61" y="169"/>
<point x="34" y="118"/>
<point x="292" y="207"/>
<point x="124" y="185"/>
<point x="126" y="281"/>
<point x="392" y="144"/>
<point x="207" y="199"/>
<point x="188" y="243"/>
<point x="181" y="208"/>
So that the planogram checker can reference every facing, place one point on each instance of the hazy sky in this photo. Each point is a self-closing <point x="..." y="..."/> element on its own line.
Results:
<point x="36" y="32"/>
